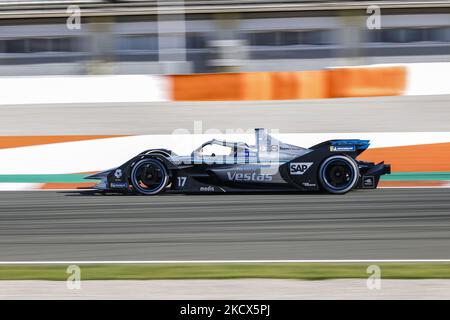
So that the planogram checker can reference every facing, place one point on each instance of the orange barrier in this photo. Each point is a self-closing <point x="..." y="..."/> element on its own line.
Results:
<point x="255" y="86"/>
<point x="299" y="85"/>
<point x="366" y="82"/>
<point x="26" y="141"/>
<point x="335" y="83"/>
<point x="284" y="85"/>
<point x="250" y="86"/>
<point x="312" y="85"/>
<point x="417" y="158"/>
<point x="204" y="87"/>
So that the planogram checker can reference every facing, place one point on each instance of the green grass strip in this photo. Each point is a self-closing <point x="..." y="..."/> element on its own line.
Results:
<point x="306" y="271"/>
<point x="416" y="176"/>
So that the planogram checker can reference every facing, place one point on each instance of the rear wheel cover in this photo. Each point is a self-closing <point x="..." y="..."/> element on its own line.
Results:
<point x="149" y="177"/>
<point x="338" y="174"/>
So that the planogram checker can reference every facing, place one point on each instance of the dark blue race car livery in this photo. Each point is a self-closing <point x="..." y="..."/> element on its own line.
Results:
<point x="270" y="165"/>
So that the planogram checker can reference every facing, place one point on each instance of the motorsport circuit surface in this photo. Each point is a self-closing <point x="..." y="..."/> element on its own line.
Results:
<point x="375" y="224"/>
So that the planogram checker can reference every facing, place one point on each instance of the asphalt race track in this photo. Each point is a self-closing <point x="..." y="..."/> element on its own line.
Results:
<point x="366" y="224"/>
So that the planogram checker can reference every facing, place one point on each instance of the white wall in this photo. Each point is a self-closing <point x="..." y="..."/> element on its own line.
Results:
<point x="84" y="89"/>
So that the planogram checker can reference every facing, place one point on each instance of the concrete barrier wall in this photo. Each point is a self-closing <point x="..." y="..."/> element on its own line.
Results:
<point x="428" y="79"/>
<point x="83" y="89"/>
<point x="407" y="151"/>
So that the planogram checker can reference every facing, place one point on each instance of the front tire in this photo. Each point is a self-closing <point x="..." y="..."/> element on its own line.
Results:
<point x="338" y="174"/>
<point x="149" y="177"/>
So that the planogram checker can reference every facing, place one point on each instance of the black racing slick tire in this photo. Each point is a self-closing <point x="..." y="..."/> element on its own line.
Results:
<point x="149" y="177"/>
<point x="338" y="174"/>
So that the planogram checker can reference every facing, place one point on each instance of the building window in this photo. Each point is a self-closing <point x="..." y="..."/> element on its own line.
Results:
<point x="263" y="39"/>
<point x="195" y="41"/>
<point x="408" y="35"/>
<point x="288" y="38"/>
<point x="65" y="45"/>
<point x="291" y="37"/>
<point x="401" y="35"/>
<point x="39" y="45"/>
<point x="15" y="46"/>
<point x="318" y="37"/>
<point x="438" y="34"/>
<point x="145" y="42"/>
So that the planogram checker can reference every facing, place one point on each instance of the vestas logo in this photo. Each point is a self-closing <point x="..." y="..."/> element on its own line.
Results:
<point x="298" y="168"/>
<point x="233" y="176"/>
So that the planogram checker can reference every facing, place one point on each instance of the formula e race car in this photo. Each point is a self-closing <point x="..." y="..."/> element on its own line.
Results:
<point x="270" y="165"/>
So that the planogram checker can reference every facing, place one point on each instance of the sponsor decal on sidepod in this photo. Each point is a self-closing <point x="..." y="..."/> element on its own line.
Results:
<point x="207" y="189"/>
<point x="233" y="176"/>
<point x="342" y="148"/>
<point x="118" y="173"/>
<point x="119" y="185"/>
<point x="368" y="181"/>
<point x="298" y="168"/>
<point x="308" y="184"/>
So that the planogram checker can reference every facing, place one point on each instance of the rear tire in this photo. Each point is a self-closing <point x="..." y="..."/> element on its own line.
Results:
<point x="149" y="177"/>
<point x="338" y="174"/>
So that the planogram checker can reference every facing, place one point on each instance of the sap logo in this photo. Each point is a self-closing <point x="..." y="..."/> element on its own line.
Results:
<point x="207" y="189"/>
<point x="342" y="148"/>
<point x="298" y="168"/>
<point x="248" y="177"/>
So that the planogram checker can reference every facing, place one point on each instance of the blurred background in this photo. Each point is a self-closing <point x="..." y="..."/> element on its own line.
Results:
<point x="86" y="85"/>
<point x="204" y="36"/>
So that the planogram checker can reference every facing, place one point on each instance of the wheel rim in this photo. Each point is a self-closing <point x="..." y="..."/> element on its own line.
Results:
<point x="149" y="177"/>
<point x="338" y="174"/>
